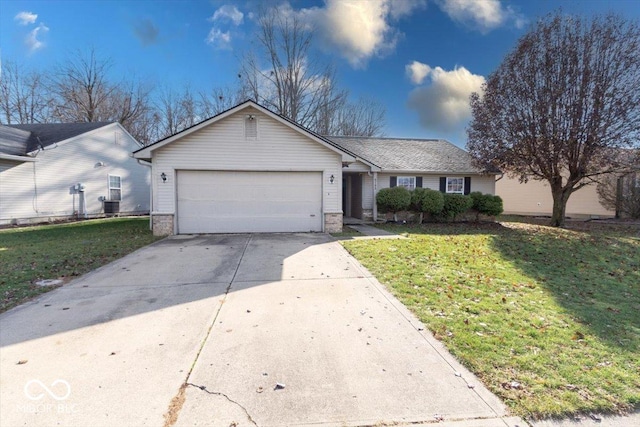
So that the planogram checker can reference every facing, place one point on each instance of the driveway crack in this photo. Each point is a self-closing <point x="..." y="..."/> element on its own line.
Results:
<point x="171" y="416"/>
<point x="218" y="393"/>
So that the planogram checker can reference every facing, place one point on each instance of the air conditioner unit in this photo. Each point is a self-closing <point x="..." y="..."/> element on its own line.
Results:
<point x="111" y="207"/>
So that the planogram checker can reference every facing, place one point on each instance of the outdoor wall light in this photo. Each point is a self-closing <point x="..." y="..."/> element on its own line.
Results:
<point x="251" y="117"/>
<point x="163" y="176"/>
<point x="332" y="178"/>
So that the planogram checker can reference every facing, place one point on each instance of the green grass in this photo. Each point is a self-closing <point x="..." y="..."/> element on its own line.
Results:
<point x="549" y="319"/>
<point x="63" y="251"/>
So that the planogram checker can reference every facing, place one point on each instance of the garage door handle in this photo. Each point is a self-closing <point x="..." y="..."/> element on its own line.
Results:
<point x="313" y="215"/>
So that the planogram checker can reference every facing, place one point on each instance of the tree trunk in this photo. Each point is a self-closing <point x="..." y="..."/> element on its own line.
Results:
<point x="560" y="197"/>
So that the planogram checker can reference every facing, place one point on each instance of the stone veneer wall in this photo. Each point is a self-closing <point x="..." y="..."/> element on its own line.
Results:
<point x="333" y="222"/>
<point x="162" y="224"/>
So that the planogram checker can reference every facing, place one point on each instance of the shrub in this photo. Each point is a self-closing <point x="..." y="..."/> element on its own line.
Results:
<point x="432" y="202"/>
<point x="393" y="200"/>
<point x="486" y="204"/>
<point x="425" y="200"/>
<point x="455" y="204"/>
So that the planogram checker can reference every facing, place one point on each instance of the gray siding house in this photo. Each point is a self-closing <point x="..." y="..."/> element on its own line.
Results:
<point x="249" y="169"/>
<point x="60" y="170"/>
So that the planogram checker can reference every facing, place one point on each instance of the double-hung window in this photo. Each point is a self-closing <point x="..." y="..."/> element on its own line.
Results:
<point x="455" y="185"/>
<point x="408" y="182"/>
<point x="115" y="187"/>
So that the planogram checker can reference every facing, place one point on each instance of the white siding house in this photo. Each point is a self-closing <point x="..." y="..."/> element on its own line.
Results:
<point x="245" y="170"/>
<point x="249" y="169"/>
<point x="53" y="171"/>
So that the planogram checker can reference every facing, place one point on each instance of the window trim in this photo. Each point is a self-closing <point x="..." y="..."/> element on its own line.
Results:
<point x="109" y="187"/>
<point x="447" y="185"/>
<point x="412" y="180"/>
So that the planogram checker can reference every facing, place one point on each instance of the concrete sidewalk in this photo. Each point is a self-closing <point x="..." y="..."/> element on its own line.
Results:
<point x="201" y="330"/>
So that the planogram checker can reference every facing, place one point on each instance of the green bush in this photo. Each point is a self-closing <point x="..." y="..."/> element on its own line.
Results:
<point x="393" y="199"/>
<point x="455" y="204"/>
<point x="486" y="204"/>
<point x="429" y="201"/>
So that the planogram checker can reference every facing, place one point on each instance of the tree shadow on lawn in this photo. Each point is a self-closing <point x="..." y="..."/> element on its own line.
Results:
<point x="593" y="273"/>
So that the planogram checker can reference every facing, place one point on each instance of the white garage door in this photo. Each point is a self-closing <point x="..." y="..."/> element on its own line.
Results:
<point x="237" y="202"/>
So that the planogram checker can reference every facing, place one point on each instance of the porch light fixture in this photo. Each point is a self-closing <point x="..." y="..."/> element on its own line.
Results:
<point x="163" y="176"/>
<point x="332" y="178"/>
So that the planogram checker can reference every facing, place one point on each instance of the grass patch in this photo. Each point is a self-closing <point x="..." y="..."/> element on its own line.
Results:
<point x="64" y="251"/>
<point x="549" y="319"/>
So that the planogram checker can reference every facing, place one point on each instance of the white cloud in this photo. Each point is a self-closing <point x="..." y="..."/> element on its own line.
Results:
<point x="219" y="39"/>
<point x="228" y="12"/>
<point x="444" y="103"/>
<point x="417" y="71"/>
<point x="359" y="29"/>
<point x="32" y="42"/>
<point x="483" y="15"/>
<point x="26" y="18"/>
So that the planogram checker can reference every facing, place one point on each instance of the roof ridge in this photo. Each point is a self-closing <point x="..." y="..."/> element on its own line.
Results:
<point x="387" y="138"/>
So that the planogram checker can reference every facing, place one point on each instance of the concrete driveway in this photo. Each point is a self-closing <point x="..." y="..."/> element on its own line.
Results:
<point x="284" y="329"/>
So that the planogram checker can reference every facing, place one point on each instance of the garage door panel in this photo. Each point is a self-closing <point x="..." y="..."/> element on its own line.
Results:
<point x="228" y="202"/>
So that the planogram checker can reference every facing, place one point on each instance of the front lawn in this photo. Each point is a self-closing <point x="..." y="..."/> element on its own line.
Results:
<point x="549" y="319"/>
<point x="63" y="251"/>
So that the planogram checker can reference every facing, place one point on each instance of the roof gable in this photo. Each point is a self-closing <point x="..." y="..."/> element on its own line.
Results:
<point x="410" y="155"/>
<point x="145" y="153"/>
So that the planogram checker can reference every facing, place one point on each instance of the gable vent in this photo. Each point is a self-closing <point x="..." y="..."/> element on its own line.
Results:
<point x="250" y="126"/>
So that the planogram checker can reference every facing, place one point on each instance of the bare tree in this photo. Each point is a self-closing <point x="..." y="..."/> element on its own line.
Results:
<point x="562" y="104"/>
<point x="284" y="77"/>
<point x="84" y="91"/>
<point x="219" y="99"/>
<point x="175" y="111"/>
<point x="23" y="96"/>
<point x="366" y="117"/>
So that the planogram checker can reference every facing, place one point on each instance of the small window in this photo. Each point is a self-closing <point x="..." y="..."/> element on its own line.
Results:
<point x="455" y="185"/>
<point x="251" y="127"/>
<point x="408" y="182"/>
<point x="115" y="187"/>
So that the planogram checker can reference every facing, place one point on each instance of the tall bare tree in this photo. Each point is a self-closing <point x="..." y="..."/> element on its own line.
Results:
<point x="24" y="97"/>
<point x="562" y="104"/>
<point x="84" y="91"/>
<point x="219" y="99"/>
<point x="362" y="118"/>
<point x="284" y="76"/>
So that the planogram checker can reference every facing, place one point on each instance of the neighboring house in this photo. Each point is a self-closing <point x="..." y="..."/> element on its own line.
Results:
<point x="534" y="198"/>
<point x="60" y="170"/>
<point x="251" y="170"/>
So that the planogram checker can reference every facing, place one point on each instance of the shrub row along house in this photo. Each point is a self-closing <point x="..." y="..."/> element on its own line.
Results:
<point x="249" y="169"/>
<point x="61" y="170"/>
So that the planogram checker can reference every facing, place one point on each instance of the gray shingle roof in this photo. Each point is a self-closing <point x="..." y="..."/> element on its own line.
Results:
<point x="44" y="134"/>
<point x="399" y="154"/>
<point x="13" y="141"/>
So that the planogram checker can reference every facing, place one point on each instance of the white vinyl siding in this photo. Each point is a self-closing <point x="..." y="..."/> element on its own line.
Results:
<point x="222" y="146"/>
<point x="43" y="189"/>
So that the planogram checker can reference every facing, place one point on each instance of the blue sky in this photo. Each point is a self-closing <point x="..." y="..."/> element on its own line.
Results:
<point x="420" y="58"/>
